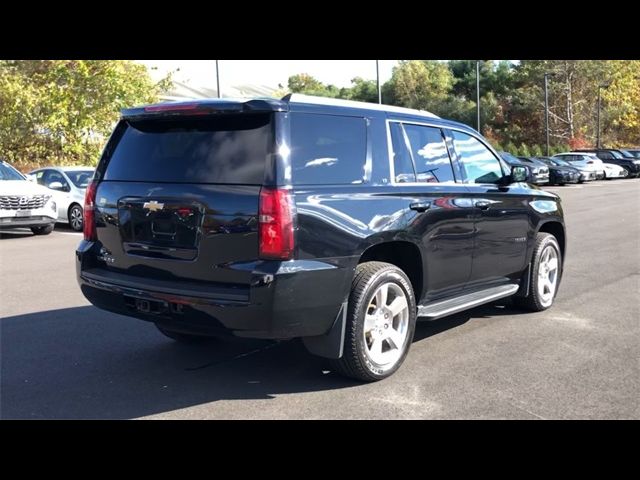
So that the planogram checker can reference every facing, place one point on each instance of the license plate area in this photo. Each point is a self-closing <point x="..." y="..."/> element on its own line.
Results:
<point x="145" y="305"/>
<point x="161" y="228"/>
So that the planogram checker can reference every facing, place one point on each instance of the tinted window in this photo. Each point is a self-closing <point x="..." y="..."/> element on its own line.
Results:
<point x="430" y="154"/>
<point x="327" y="149"/>
<point x="7" y="172"/>
<point x="478" y="163"/>
<point x="402" y="163"/>
<point x="605" y="155"/>
<point x="80" y="178"/>
<point x="226" y="149"/>
<point x="51" y="176"/>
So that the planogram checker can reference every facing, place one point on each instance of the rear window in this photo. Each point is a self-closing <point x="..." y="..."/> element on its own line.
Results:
<point x="226" y="149"/>
<point x="327" y="149"/>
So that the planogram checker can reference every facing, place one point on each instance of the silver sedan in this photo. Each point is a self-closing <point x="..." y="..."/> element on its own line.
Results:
<point x="68" y="185"/>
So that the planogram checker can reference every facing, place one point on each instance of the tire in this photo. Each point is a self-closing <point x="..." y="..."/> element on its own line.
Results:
<point x="537" y="301"/>
<point x="46" y="230"/>
<point x="76" y="217"/>
<point x="362" y="360"/>
<point x="182" y="337"/>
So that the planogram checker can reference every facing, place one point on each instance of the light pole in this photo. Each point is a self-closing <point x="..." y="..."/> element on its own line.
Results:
<point x="478" y="94"/>
<point x="218" y="79"/>
<point x="600" y="87"/>
<point x="546" y="108"/>
<point x="378" y="82"/>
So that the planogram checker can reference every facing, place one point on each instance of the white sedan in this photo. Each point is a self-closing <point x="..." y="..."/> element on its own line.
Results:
<point x="611" y="170"/>
<point x="67" y="185"/>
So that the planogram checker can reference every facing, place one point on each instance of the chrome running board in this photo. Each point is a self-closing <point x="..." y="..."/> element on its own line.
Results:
<point x="442" y="308"/>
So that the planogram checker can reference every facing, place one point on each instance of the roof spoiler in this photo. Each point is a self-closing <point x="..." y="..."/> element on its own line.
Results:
<point x="205" y="107"/>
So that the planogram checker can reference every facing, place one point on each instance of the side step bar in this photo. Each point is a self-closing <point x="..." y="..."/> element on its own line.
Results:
<point x="442" y="308"/>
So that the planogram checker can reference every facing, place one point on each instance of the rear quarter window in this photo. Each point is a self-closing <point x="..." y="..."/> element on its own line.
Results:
<point x="327" y="149"/>
<point x="229" y="149"/>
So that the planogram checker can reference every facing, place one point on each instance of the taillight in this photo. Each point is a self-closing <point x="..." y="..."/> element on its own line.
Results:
<point x="89" y="220"/>
<point x="275" y="219"/>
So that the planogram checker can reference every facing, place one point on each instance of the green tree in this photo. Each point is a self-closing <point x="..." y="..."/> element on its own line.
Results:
<point x="420" y="84"/>
<point x="536" y="151"/>
<point x="361" y="90"/>
<point x="61" y="111"/>
<point x="523" y="151"/>
<point x="306" y="84"/>
<point x="511" y="148"/>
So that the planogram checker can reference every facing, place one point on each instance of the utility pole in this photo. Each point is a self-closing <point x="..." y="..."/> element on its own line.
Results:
<point x="218" y="79"/>
<point x="600" y="87"/>
<point x="546" y="109"/>
<point x="478" y="94"/>
<point x="378" y="81"/>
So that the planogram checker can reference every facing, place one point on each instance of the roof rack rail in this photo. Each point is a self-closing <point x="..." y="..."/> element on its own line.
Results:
<point x="300" y="98"/>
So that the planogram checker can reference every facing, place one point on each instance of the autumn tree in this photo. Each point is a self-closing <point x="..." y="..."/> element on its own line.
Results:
<point x="61" y="111"/>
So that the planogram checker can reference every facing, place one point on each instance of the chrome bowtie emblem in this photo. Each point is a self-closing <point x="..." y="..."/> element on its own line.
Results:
<point x="153" y="206"/>
<point x="23" y="200"/>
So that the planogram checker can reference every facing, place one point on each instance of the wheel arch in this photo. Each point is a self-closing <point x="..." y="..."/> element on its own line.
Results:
<point x="71" y="205"/>
<point x="557" y="229"/>
<point x="403" y="254"/>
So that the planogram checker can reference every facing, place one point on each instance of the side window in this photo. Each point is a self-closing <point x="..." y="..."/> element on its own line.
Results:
<point x="40" y="177"/>
<point x="605" y="155"/>
<point x="327" y="149"/>
<point x="52" y="176"/>
<point x="478" y="164"/>
<point x="430" y="155"/>
<point x="402" y="163"/>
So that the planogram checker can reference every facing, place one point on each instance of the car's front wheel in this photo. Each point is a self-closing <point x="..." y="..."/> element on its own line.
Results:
<point x="76" y="217"/>
<point x="381" y="319"/>
<point x="546" y="271"/>
<point x="46" y="230"/>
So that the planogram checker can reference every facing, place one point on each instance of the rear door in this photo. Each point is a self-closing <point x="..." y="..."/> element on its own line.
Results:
<point x="501" y="213"/>
<point x="178" y="196"/>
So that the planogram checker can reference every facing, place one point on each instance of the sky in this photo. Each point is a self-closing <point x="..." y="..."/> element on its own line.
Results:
<point x="268" y="72"/>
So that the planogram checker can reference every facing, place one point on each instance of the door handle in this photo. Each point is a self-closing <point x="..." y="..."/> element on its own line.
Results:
<point x="482" y="204"/>
<point x="420" y="206"/>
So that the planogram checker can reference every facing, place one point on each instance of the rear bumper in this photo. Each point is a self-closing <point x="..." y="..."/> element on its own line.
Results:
<point x="298" y="298"/>
<point x="26" y="222"/>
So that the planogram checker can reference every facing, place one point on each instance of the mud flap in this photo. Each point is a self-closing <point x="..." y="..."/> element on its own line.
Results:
<point x="525" y="282"/>
<point x="331" y="344"/>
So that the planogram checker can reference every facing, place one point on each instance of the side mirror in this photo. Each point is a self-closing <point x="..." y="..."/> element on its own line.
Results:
<point x="56" y="186"/>
<point x="518" y="174"/>
<point x="31" y="178"/>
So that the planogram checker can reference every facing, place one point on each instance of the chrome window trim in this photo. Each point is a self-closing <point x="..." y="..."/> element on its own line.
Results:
<point x="441" y="127"/>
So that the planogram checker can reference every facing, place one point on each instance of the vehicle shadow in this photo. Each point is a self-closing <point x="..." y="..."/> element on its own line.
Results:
<point x="81" y="363"/>
<point x="17" y="233"/>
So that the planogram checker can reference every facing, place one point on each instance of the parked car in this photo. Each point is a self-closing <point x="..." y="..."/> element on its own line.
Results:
<point x="538" y="166"/>
<point x="618" y="157"/>
<point x="560" y="174"/>
<point x="584" y="161"/>
<point x="536" y="174"/>
<point x="335" y="221"/>
<point x="634" y="152"/>
<point x="24" y="204"/>
<point x="612" y="170"/>
<point x="68" y="186"/>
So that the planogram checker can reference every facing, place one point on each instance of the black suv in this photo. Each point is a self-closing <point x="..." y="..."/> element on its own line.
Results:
<point x="332" y="221"/>
<point x="619" y="157"/>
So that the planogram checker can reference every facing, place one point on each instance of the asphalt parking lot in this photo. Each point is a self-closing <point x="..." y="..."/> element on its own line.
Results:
<point x="62" y="358"/>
